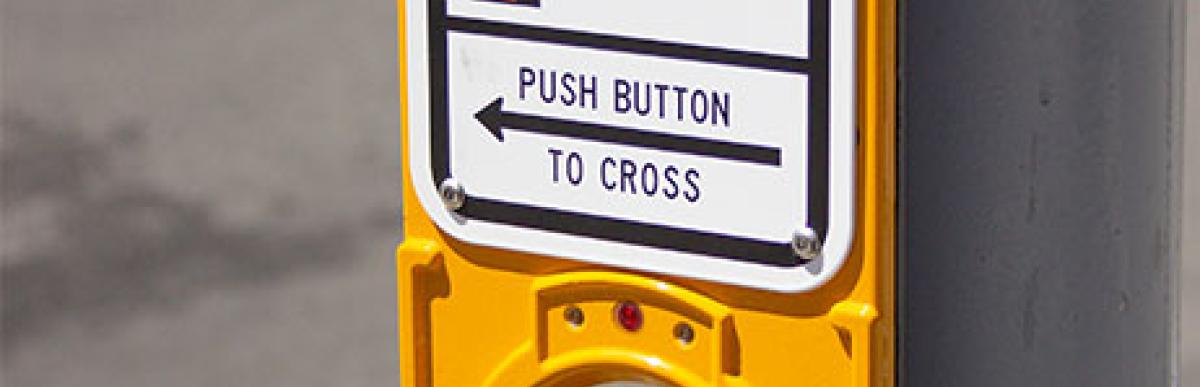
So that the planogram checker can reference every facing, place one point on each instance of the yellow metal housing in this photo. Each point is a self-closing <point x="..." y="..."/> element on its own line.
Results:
<point x="476" y="316"/>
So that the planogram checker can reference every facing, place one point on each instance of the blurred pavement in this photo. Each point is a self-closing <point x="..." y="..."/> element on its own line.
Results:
<point x="198" y="193"/>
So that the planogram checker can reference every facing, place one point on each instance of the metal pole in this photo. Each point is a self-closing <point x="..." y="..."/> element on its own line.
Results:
<point x="1039" y="193"/>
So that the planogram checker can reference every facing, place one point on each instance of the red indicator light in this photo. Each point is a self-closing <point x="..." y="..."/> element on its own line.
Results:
<point x="629" y="316"/>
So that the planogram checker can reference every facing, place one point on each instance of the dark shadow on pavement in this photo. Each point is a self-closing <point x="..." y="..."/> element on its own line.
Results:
<point x="114" y="245"/>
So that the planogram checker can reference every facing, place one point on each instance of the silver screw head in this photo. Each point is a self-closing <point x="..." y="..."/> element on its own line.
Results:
<point x="452" y="193"/>
<point x="805" y="244"/>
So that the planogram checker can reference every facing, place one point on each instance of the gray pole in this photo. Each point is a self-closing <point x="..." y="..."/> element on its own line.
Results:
<point x="1039" y="193"/>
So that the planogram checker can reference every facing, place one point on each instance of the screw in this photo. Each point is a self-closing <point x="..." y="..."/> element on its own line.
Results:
<point x="684" y="333"/>
<point x="805" y="244"/>
<point x="452" y="193"/>
<point x="573" y="315"/>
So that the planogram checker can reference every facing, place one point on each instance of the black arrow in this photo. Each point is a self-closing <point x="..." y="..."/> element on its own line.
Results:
<point x="495" y="119"/>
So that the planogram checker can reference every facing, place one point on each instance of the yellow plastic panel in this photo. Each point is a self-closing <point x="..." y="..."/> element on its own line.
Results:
<point x="475" y="316"/>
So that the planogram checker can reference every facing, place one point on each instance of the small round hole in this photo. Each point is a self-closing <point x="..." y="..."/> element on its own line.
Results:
<point x="573" y="315"/>
<point x="684" y="333"/>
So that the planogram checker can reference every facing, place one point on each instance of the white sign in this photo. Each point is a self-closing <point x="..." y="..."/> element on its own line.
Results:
<point x="692" y="138"/>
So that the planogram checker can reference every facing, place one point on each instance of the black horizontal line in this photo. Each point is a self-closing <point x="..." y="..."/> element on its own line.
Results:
<point x="626" y="231"/>
<point x="525" y="3"/>
<point x="632" y="45"/>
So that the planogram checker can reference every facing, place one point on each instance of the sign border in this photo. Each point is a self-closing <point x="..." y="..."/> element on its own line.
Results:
<point x="701" y="243"/>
